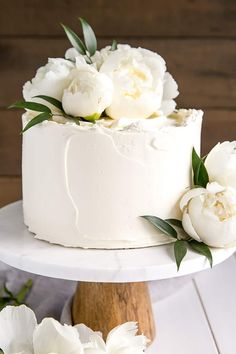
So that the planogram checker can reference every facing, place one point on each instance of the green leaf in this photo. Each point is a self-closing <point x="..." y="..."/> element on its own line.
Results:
<point x="52" y="100"/>
<point x="7" y="291"/>
<point x="33" y="106"/>
<point x="74" y="40"/>
<point x="180" y="249"/>
<point x="175" y="222"/>
<point x="200" y="175"/>
<point x="161" y="225"/>
<point x="89" y="37"/>
<point x="113" y="45"/>
<point x="21" y="295"/>
<point x="195" y="159"/>
<point x="36" y="120"/>
<point x="202" y="249"/>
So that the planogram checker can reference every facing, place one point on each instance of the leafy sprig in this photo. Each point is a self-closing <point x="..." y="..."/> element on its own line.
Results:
<point x="8" y="298"/>
<point x="46" y="112"/>
<point x="88" y="46"/>
<point x="171" y="227"/>
<point x="181" y="245"/>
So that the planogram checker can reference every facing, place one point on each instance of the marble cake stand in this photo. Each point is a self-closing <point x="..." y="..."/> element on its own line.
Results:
<point x="112" y="287"/>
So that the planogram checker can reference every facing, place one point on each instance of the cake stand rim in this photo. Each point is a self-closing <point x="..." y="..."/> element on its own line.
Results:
<point x="20" y="250"/>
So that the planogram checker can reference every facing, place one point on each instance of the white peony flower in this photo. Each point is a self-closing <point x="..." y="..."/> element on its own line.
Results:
<point x="139" y="77"/>
<point x="209" y="215"/>
<point x="88" y="94"/>
<point x="121" y="340"/>
<point x="20" y="334"/>
<point x="221" y="164"/>
<point x="50" y="80"/>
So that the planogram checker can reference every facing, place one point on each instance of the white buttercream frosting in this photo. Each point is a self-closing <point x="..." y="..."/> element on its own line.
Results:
<point x="87" y="185"/>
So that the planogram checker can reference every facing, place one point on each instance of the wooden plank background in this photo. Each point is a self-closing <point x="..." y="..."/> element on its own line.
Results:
<point x="196" y="37"/>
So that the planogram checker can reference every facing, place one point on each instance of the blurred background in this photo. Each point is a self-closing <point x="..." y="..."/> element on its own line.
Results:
<point x="197" y="38"/>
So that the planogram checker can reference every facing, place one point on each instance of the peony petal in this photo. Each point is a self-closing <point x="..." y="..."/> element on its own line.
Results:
<point x="17" y="325"/>
<point x="167" y="107"/>
<point x="221" y="163"/>
<point x="52" y="337"/>
<point x="170" y="90"/>
<point x="192" y="193"/>
<point x="85" y="333"/>
<point x="123" y="339"/>
<point x="214" y="187"/>
<point x="188" y="227"/>
<point x="72" y="54"/>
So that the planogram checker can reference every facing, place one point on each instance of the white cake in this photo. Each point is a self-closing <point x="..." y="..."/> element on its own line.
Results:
<point x="87" y="186"/>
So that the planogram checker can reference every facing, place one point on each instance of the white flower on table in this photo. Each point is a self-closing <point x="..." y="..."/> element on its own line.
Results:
<point x="17" y="325"/>
<point x="221" y="164"/>
<point x="209" y="215"/>
<point x="121" y="340"/>
<point x="50" y="80"/>
<point x="88" y="94"/>
<point x="141" y="86"/>
<point x="20" y="334"/>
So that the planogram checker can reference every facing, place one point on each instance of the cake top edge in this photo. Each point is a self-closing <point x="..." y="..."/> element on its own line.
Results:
<point x="179" y="118"/>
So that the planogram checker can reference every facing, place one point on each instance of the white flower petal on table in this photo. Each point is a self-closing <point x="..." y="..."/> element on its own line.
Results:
<point x="85" y="333"/>
<point x="124" y="339"/>
<point x="52" y="337"/>
<point x="17" y="325"/>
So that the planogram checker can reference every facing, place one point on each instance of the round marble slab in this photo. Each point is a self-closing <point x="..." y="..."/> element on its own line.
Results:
<point x="21" y="250"/>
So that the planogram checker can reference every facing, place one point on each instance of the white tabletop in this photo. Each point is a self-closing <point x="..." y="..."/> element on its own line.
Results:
<point x="21" y="250"/>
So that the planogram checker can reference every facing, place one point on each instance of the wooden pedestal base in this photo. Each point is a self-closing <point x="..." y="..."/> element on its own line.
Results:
<point x="103" y="306"/>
